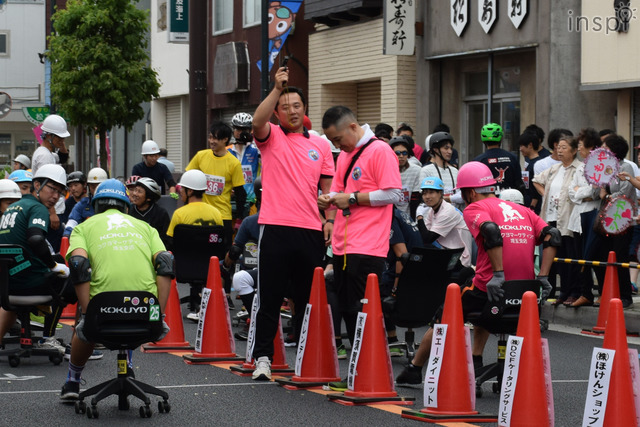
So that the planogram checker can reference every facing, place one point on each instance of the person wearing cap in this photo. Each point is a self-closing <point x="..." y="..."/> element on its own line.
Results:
<point x="151" y="168"/>
<point x="405" y="130"/>
<point x="409" y="174"/>
<point x="77" y="184"/>
<point x="23" y="178"/>
<point x="506" y="235"/>
<point x="25" y="223"/>
<point x="244" y="150"/>
<point x="440" y="151"/>
<point x="503" y="164"/>
<point x="101" y="260"/>
<point x="84" y="208"/>
<point x="144" y="194"/>
<point x="21" y="162"/>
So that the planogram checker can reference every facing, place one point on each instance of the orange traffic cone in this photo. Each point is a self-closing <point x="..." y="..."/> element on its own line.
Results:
<point x="317" y="358"/>
<point x="214" y="339"/>
<point x="69" y="311"/>
<point x="64" y="246"/>
<point x="530" y="405"/>
<point x="455" y="400"/>
<point x="621" y="408"/>
<point x="370" y="371"/>
<point x="174" y="341"/>
<point x="610" y="289"/>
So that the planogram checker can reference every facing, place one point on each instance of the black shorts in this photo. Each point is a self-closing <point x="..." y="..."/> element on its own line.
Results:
<point x="473" y="301"/>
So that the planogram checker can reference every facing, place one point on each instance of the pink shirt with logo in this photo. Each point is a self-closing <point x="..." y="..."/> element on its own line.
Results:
<point x="291" y="168"/>
<point x="367" y="227"/>
<point x="520" y="228"/>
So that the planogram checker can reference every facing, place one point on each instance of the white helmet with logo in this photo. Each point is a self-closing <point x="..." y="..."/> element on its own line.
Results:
<point x="52" y="172"/>
<point x="23" y="160"/>
<point x="9" y="190"/>
<point x="512" y="195"/>
<point x="150" y="147"/>
<point x="96" y="176"/>
<point x="56" y="125"/>
<point x="194" y="179"/>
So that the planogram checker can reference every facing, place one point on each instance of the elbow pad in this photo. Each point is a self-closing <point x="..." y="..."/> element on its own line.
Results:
<point x="164" y="264"/>
<point x="235" y="252"/>
<point x="79" y="270"/>
<point x="491" y="235"/>
<point x="555" y="240"/>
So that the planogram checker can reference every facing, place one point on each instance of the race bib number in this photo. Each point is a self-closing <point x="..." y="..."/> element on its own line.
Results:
<point x="248" y="174"/>
<point x="215" y="185"/>
<point x="448" y="191"/>
<point x="154" y="314"/>
<point x="406" y="196"/>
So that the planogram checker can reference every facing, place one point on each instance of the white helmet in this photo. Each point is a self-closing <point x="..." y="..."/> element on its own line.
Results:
<point x="9" y="190"/>
<point x="56" y="125"/>
<point x="512" y="195"/>
<point x="23" y="160"/>
<point x="242" y="120"/>
<point x="427" y="143"/>
<point x="52" y="172"/>
<point x="150" y="147"/>
<point x="194" y="179"/>
<point x="96" y="176"/>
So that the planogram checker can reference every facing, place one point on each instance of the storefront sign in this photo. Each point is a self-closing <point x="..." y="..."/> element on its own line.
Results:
<point x="517" y="11"/>
<point x="487" y="14"/>
<point x="459" y="15"/>
<point x="178" y="21"/>
<point x="35" y="115"/>
<point x="399" y="27"/>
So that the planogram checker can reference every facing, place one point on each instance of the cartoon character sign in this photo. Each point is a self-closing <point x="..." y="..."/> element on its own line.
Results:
<point x="282" y="15"/>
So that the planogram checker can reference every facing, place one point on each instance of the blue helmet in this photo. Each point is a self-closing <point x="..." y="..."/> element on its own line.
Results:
<point x="432" y="183"/>
<point x="111" y="193"/>
<point x="21" y="175"/>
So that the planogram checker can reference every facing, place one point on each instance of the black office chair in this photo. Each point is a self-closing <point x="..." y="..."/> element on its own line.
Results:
<point x="14" y="261"/>
<point x="193" y="246"/>
<point x="421" y="290"/>
<point x="122" y="321"/>
<point x="501" y="319"/>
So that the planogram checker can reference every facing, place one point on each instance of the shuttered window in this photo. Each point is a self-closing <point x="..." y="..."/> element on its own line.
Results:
<point x="174" y="132"/>
<point x="368" y="102"/>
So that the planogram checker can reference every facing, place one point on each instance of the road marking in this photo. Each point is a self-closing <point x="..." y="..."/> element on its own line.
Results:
<point x="11" y="377"/>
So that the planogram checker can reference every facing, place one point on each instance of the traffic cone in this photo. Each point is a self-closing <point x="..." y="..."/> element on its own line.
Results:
<point x="317" y="358"/>
<point x="64" y="247"/>
<point x="279" y="364"/>
<point x="214" y="328"/>
<point x="69" y="310"/>
<point x="621" y="408"/>
<point x="174" y="341"/>
<point x="530" y="405"/>
<point x="610" y="290"/>
<point x="455" y="401"/>
<point x="370" y="368"/>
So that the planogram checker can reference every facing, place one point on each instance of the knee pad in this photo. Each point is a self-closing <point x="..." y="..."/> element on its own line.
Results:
<point x="243" y="282"/>
<point x="79" y="270"/>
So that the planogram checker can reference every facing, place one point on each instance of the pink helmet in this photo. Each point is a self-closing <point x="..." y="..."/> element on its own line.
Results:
<point x="475" y="175"/>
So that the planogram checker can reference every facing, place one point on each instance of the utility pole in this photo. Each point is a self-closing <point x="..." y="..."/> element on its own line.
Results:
<point x="197" y="76"/>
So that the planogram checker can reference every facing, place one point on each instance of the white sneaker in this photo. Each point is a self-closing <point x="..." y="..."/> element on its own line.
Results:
<point x="193" y="316"/>
<point x="51" y="343"/>
<point x="263" y="369"/>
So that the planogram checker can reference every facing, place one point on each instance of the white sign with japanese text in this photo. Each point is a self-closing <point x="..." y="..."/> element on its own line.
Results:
<point x="399" y="27"/>
<point x="517" y="11"/>
<point x="635" y="380"/>
<point x="251" y="336"/>
<point x="598" y="388"/>
<point x="459" y="15"/>
<point x="355" y="351"/>
<point x="302" y="344"/>
<point x="206" y="293"/>
<point x="509" y="379"/>
<point x="435" y="365"/>
<point x="487" y="14"/>
<point x="546" y="361"/>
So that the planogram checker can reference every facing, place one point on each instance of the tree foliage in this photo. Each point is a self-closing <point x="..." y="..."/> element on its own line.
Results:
<point x="100" y="71"/>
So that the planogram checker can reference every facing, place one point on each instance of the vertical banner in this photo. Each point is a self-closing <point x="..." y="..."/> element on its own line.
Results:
<point x="635" y="378"/>
<point x="509" y="379"/>
<point x="435" y="365"/>
<point x="251" y="336"/>
<point x="302" y="342"/>
<point x="399" y="27"/>
<point x="178" y="11"/>
<point x="598" y="388"/>
<point x="355" y="351"/>
<point x="282" y="15"/>
<point x="206" y="293"/>
<point x="546" y="360"/>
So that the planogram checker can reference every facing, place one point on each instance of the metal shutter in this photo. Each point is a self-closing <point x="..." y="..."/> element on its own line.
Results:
<point x="174" y="131"/>
<point x="369" y="102"/>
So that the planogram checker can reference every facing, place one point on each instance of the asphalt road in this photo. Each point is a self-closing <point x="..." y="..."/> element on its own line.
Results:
<point x="212" y="395"/>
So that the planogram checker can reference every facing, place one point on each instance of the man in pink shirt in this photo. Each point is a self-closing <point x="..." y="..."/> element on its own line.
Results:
<point x="367" y="185"/>
<point x="506" y="234"/>
<point x="292" y="233"/>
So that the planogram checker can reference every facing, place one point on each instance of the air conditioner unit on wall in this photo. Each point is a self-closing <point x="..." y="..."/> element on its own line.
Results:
<point x="231" y="68"/>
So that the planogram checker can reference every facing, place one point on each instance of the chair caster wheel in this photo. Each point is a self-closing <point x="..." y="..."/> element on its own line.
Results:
<point x="145" y="412"/>
<point x="92" y="412"/>
<point x="56" y="360"/>
<point x="14" y="361"/>
<point x="495" y="387"/>
<point x="164" y="406"/>
<point x="478" y="391"/>
<point x="81" y="407"/>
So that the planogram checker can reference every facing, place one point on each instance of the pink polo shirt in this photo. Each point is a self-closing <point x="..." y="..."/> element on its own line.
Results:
<point x="292" y="164"/>
<point x="367" y="227"/>
<point x="520" y="228"/>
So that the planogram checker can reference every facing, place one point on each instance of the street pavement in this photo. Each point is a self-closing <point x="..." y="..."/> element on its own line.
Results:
<point x="212" y="395"/>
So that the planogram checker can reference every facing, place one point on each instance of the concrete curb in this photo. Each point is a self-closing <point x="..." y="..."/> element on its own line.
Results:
<point x="587" y="317"/>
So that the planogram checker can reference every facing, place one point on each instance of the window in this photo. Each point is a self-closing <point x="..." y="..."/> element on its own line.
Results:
<point x="4" y="43"/>
<point x="252" y="10"/>
<point x="222" y="16"/>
